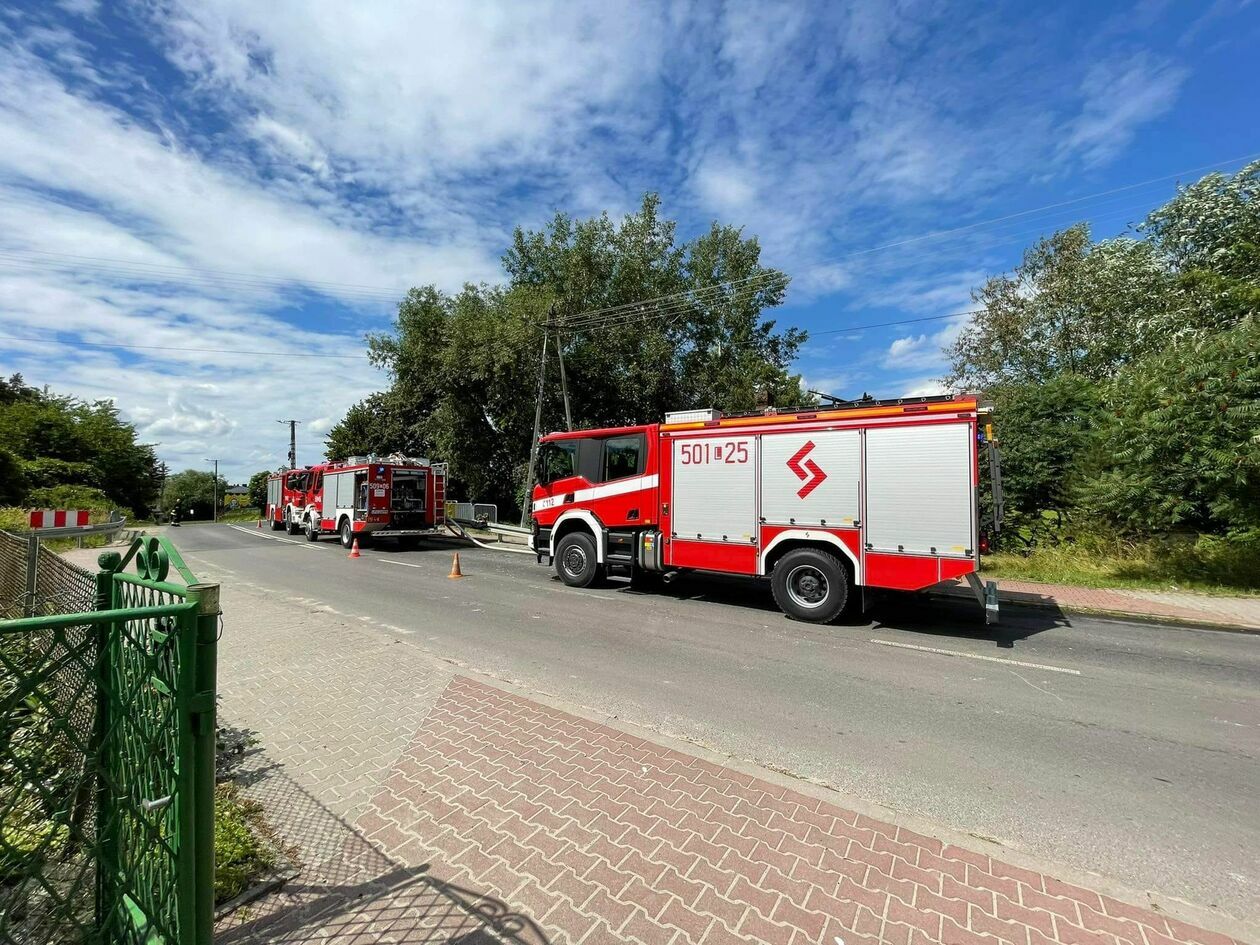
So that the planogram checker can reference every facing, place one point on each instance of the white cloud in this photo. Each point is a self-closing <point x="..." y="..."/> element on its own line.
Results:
<point x="923" y="387"/>
<point x="311" y="149"/>
<point x="1119" y="96"/>
<point x="924" y="350"/>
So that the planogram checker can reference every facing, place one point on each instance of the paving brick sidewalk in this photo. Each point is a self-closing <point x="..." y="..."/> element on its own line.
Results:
<point x="1237" y="612"/>
<point x="426" y="805"/>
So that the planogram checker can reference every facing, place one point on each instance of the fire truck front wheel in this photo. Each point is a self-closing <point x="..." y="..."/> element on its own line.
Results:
<point x="810" y="584"/>
<point x="576" y="562"/>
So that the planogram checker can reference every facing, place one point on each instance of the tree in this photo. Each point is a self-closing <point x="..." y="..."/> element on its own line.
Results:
<point x="1043" y="431"/>
<point x="1181" y="449"/>
<point x="192" y="492"/>
<point x="258" y="488"/>
<point x="1070" y="306"/>
<point x="64" y="441"/>
<point x="463" y="368"/>
<point x="1089" y="309"/>
<point x="13" y="484"/>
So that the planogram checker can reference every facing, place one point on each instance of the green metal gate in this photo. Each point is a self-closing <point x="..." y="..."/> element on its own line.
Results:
<point x="107" y="755"/>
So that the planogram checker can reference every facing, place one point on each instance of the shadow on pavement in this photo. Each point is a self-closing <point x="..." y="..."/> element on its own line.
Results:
<point x="924" y="613"/>
<point x="962" y="618"/>
<point x="348" y="890"/>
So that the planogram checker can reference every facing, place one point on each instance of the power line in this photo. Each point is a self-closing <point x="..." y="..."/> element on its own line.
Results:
<point x="926" y="236"/>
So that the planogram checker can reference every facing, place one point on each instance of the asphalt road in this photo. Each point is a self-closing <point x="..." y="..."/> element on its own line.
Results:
<point x="1127" y="749"/>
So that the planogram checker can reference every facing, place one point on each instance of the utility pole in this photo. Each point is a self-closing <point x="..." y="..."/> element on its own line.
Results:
<point x="215" y="513"/>
<point x="292" y="441"/>
<point x="564" y="383"/>
<point x="533" y="444"/>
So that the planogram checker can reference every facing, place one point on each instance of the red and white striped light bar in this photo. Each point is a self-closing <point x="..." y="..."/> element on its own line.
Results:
<point x="59" y="518"/>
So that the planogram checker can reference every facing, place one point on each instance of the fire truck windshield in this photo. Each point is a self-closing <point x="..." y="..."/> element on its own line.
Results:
<point x="558" y="459"/>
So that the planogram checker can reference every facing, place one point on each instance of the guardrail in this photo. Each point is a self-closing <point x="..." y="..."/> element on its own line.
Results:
<point x="77" y="531"/>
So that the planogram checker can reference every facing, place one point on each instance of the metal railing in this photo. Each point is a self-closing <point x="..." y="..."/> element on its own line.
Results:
<point x="106" y="749"/>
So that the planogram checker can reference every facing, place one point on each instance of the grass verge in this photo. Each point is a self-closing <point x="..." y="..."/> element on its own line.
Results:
<point x="1200" y="564"/>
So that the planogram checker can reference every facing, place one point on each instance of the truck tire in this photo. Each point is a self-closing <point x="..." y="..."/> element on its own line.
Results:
<point x="291" y="525"/>
<point x="312" y="530"/>
<point x="810" y="584"/>
<point x="276" y="524"/>
<point x="346" y="533"/>
<point x="576" y="562"/>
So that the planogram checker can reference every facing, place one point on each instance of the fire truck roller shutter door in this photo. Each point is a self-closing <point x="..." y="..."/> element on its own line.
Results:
<point x="328" y="504"/>
<point x="919" y="492"/>
<point x="811" y="478"/>
<point x="715" y="488"/>
<point x="345" y="490"/>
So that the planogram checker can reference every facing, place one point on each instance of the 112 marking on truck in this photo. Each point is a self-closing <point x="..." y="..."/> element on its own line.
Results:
<point x="877" y="494"/>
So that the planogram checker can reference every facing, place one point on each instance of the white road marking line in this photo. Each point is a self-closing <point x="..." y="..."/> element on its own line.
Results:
<point x="977" y="656"/>
<point x="401" y="564"/>
<point x="254" y="532"/>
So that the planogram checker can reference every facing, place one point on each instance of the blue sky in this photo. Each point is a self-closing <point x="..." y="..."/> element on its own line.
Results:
<point x="235" y="175"/>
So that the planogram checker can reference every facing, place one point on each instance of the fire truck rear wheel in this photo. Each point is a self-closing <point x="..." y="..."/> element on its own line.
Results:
<point x="576" y="562"/>
<point x="276" y="524"/>
<point x="347" y="535"/>
<point x="810" y="584"/>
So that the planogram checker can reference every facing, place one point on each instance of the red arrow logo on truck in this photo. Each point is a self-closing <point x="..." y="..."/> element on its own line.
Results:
<point x="810" y="474"/>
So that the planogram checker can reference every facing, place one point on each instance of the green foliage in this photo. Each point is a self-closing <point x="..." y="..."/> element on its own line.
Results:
<point x="1045" y="428"/>
<point x="1181" y="449"/>
<point x="1126" y="380"/>
<point x="192" y="492"/>
<point x="13" y="483"/>
<point x="70" y="497"/>
<point x="60" y="441"/>
<point x="464" y="367"/>
<point x="1071" y="307"/>
<point x="241" y="854"/>
<point x="258" y="488"/>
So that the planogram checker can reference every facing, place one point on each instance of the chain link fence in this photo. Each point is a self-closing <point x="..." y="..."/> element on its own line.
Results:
<point x="48" y="712"/>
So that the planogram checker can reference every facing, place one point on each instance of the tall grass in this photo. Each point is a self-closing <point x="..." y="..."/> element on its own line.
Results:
<point x="1201" y="563"/>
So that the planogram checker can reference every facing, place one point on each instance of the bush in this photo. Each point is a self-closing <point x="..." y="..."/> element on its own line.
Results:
<point x="69" y="497"/>
<point x="1181" y="450"/>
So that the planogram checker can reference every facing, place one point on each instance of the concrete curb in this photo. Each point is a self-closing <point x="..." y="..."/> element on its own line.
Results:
<point x="1170" y="621"/>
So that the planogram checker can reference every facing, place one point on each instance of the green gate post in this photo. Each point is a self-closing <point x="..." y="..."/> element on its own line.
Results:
<point x="107" y="903"/>
<point x="204" y="732"/>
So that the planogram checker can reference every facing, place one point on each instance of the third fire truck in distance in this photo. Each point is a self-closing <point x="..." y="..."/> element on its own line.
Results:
<point x="394" y="497"/>
<point x="877" y="494"/>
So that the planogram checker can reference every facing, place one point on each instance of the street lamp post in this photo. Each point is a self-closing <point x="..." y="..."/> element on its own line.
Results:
<point x="215" y="511"/>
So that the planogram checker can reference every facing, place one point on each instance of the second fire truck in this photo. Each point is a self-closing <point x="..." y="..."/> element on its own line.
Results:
<point x="395" y="497"/>
<point x="877" y="494"/>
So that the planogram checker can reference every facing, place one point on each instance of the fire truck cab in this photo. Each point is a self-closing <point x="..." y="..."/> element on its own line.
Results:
<point x="878" y="494"/>
<point x="395" y="497"/>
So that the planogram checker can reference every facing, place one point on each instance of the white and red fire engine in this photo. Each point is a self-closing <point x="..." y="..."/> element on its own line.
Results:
<point x="876" y="494"/>
<point x="394" y="497"/>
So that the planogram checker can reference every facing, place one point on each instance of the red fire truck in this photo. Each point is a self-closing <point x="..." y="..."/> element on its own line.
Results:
<point x="395" y="497"/>
<point x="876" y="494"/>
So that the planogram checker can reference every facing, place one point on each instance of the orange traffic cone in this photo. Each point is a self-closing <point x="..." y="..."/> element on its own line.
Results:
<point x="354" y="549"/>
<point x="260" y="523"/>
<point x="455" y="571"/>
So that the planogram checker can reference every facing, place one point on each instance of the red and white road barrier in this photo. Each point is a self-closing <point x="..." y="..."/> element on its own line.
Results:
<point x="59" y="518"/>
